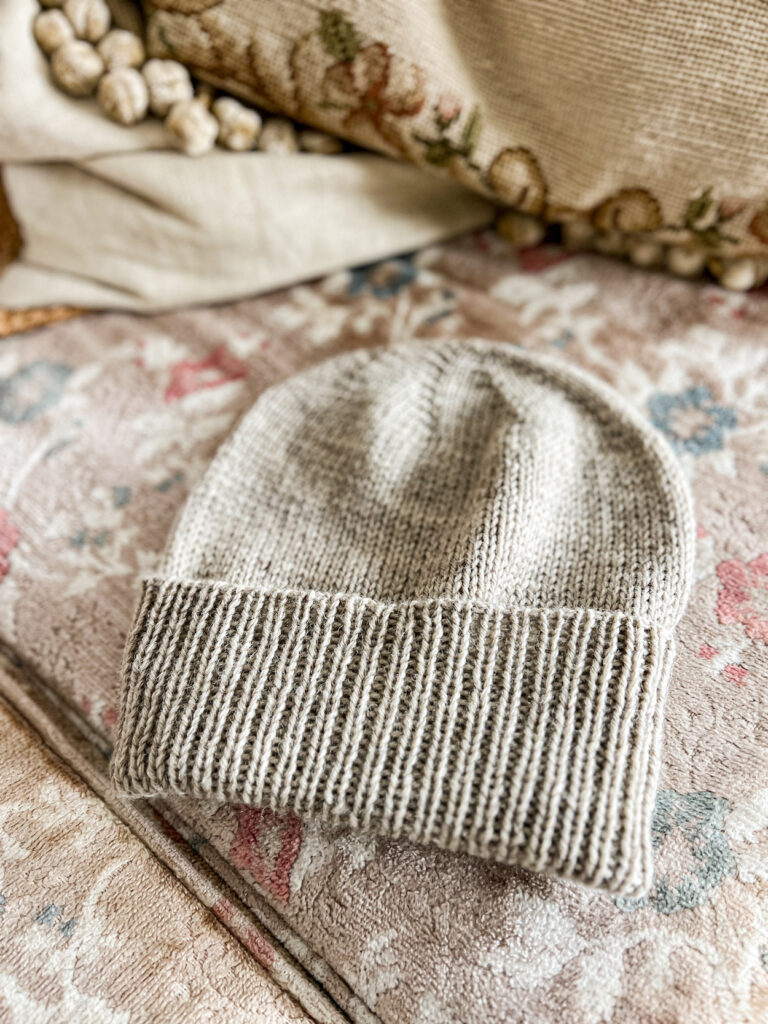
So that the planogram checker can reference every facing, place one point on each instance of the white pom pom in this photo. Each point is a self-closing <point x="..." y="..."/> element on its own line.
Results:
<point x="645" y="253"/>
<point x="612" y="243"/>
<point x="519" y="229"/>
<point x="52" y="30"/>
<point x="123" y="95"/>
<point x="121" y="49"/>
<point x="278" y="136"/>
<point x="77" y="67"/>
<point x="578" y="234"/>
<point x="168" y="83"/>
<point x="319" y="142"/>
<point x="239" y="126"/>
<point x="192" y="127"/>
<point x="90" y="18"/>
<point x="738" y="275"/>
<point x="685" y="262"/>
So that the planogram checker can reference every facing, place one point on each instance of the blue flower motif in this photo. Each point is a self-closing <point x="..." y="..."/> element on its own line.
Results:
<point x="383" y="279"/>
<point x="48" y="915"/>
<point x="693" y="821"/>
<point x="692" y="420"/>
<point x="121" y="495"/>
<point x="32" y="389"/>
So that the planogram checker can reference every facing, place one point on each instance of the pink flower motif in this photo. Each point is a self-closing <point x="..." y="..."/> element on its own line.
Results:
<point x="448" y="107"/>
<point x="9" y="538"/>
<point x="188" y="376"/>
<point x="729" y="206"/>
<point x="743" y="595"/>
<point x="706" y="651"/>
<point x="266" y="845"/>
<point x="109" y="717"/>
<point x="736" y="674"/>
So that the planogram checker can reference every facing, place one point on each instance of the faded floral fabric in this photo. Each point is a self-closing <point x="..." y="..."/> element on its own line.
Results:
<point x="78" y="935"/>
<point x="107" y="420"/>
<point x="543" y="107"/>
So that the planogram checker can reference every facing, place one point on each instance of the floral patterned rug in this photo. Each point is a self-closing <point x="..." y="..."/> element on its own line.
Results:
<point x="107" y="420"/>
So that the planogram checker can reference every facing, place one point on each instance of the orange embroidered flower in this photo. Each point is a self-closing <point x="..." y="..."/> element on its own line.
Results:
<point x="374" y="85"/>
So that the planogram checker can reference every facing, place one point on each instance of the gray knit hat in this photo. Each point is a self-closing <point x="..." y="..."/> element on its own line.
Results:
<point x="428" y="591"/>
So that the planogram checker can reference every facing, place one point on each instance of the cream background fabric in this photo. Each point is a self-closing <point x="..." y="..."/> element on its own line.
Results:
<point x="150" y="231"/>
<point x="113" y="219"/>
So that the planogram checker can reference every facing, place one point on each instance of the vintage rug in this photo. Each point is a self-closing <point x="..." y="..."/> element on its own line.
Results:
<point x="105" y="423"/>
<point x="81" y="937"/>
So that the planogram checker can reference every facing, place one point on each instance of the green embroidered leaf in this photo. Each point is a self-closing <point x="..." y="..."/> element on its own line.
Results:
<point x="338" y="36"/>
<point x="471" y="132"/>
<point x="168" y="45"/>
<point x="698" y="208"/>
<point x="711" y="238"/>
<point x="438" y="152"/>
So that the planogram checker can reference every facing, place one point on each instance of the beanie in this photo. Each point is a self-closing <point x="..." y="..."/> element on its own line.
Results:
<point x="427" y="591"/>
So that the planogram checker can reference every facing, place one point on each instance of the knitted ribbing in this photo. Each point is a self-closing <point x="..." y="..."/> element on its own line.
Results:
<point x="428" y="591"/>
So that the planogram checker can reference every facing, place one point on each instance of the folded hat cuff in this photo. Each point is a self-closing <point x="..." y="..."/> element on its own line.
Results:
<point x="527" y="736"/>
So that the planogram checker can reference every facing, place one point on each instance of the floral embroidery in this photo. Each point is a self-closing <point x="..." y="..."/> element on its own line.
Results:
<point x="338" y="35"/>
<point x="260" y="831"/>
<point x="692" y="420"/>
<point x="368" y="83"/>
<point x="743" y="595"/>
<point x="516" y="178"/>
<point x="441" y="149"/>
<point x="704" y="218"/>
<point x="31" y="390"/>
<point x="189" y="376"/>
<point x="335" y="77"/>
<point x="631" y="209"/>
<point x="693" y="855"/>
<point x="9" y="538"/>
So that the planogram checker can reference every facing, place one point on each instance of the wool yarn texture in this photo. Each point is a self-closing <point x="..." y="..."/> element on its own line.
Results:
<point x="427" y="591"/>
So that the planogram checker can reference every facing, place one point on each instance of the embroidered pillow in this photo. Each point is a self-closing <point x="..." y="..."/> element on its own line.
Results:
<point x="634" y="123"/>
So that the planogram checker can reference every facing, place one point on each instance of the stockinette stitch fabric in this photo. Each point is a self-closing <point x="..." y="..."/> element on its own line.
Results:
<point x="428" y="591"/>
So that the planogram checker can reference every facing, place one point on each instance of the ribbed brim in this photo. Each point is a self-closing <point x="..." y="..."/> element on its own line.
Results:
<point x="528" y="736"/>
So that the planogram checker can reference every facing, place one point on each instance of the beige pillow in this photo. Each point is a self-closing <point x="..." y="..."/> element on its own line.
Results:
<point x="623" y="116"/>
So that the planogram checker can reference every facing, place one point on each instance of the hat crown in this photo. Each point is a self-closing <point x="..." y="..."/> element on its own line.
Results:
<point x="461" y="471"/>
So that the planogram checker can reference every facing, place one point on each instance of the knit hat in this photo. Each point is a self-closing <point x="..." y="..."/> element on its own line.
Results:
<point x="427" y="591"/>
